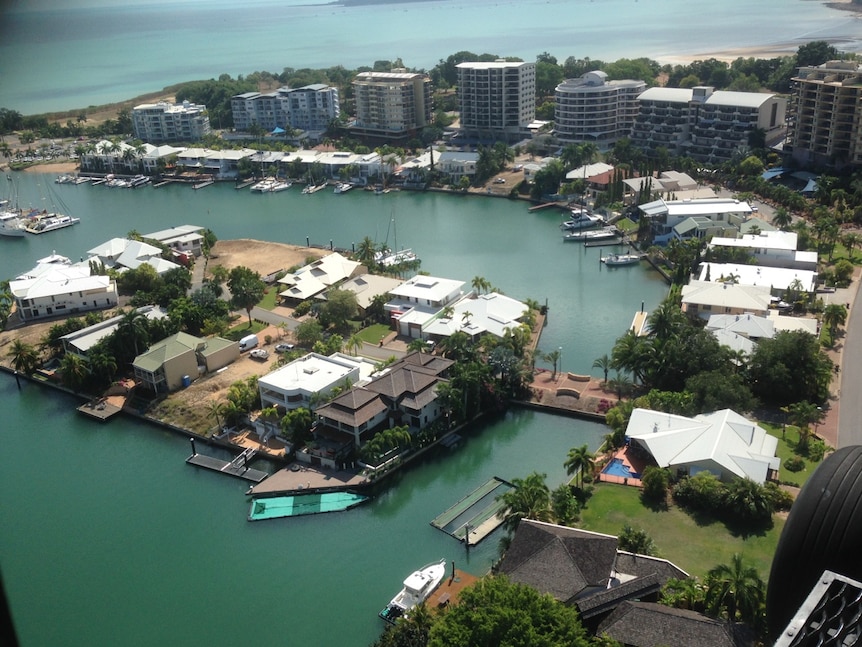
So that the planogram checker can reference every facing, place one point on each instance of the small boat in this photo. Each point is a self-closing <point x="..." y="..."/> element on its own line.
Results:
<point x="139" y="180"/>
<point x="417" y="587"/>
<point x="604" y="233"/>
<point x="313" y="188"/>
<point x="342" y="187"/>
<point x="264" y="186"/>
<point x="51" y="222"/>
<point x="390" y="258"/>
<point x="581" y="219"/>
<point x="81" y="180"/>
<point x="621" y="259"/>
<point x="65" y="179"/>
<point x="11" y="224"/>
<point x="279" y="185"/>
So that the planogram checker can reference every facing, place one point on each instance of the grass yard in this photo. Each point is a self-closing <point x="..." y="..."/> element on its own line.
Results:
<point x="677" y="536"/>
<point x="374" y="333"/>
<point x="270" y="298"/>
<point x="242" y="329"/>
<point x="785" y="451"/>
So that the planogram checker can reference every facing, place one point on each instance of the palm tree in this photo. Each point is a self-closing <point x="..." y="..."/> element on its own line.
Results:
<point x="553" y="357"/>
<point x="354" y="343"/>
<point x="579" y="460"/>
<point x="365" y="252"/>
<point x="622" y="384"/>
<point x="74" y="371"/>
<point x="530" y="499"/>
<point x="834" y="315"/>
<point x="103" y="364"/>
<point x="604" y="364"/>
<point x="25" y="357"/>
<point x="214" y="409"/>
<point x="748" y="500"/>
<point x="735" y="591"/>
<point x="417" y="344"/>
<point x="133" y="330"/>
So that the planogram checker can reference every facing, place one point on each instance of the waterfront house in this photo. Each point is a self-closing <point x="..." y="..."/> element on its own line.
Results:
<point x="81" y="341"/>
<point x="723" y="443"/>
<point x="779" y="279"/>
<point x="316" y="277"/>
<point x="177" y="360"/>
<point x="705" y="298"/>
<point x="711" y="215"/>
<point x="771" y="248"/>
<point x="298" y="383"/>
<point x="367" y="287"/>
<point x="583" y="568"/>
<point x="667" y="184"/>
<point x="417" y="301"/>
<point x="476" y="315"/>
<point x="125" y="254"/>
<point x="184" y="240"/>
<point x="166" y="153"/>
<point x="52" y="289"/>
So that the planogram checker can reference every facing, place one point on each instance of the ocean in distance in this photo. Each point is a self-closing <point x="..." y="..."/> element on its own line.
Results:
<point x="59" y="55"/>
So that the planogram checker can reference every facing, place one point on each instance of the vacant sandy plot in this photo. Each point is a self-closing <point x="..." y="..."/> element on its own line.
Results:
<point x="262" y="257"/>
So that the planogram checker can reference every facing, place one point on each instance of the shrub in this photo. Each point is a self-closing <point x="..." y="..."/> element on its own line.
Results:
<point x="781" y="499"/>
<point x="636" y="540"/>
<point x="794" y="464"/>
<point x="655" y="483"/>
<point x="701" y="492"/>
<point x="816" y="450"/>
<point x="302" y="309"/>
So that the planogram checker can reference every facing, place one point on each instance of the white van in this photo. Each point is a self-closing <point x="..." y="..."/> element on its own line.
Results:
<point x="248" y="342"/>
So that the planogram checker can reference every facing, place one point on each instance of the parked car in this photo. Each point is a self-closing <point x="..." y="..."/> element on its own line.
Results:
<point x="259" y="353"/>
<point x="499" y="180"/>
<point x="284" y="348"/>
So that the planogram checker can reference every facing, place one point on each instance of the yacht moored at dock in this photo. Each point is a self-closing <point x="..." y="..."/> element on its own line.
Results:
<point x="604" y="233"/>
<point x="417" y="587"/>
<point x="581" y="219"/>
<point x="11" y="224"/>
<point x="621" y="259"/>
<point x="44" y="224"/>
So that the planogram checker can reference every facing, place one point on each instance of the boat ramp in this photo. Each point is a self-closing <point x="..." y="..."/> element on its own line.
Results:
<point x="475" y="516"/>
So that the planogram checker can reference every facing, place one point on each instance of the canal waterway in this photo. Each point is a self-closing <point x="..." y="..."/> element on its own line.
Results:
<point x="108" y="537"/>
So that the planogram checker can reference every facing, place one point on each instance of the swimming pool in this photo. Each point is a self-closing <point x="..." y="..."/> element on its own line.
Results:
<point x="617" y="468"/>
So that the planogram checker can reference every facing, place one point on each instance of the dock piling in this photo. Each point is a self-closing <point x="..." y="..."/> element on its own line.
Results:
<point x="17" y="380"/>
<point x="194" y="451"/>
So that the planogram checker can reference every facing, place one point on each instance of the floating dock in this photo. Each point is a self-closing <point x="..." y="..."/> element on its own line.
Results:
<point x="100" y="410"/>
<point x="236" y="467"/>
<point x="203" y="185"/>
<point x="475" y="516"/>
<point x="277" y="507"/>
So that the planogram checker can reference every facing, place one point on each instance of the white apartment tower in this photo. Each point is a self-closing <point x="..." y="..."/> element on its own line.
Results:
<point x="391" y="105"/>
<point x="825" y="115"/>
<point x="595" y="110"/>
<point x="498" y="99"/>
<point x="310" y="108"/>
<point x="704" y="123"/>
<point x="167" y="122"/>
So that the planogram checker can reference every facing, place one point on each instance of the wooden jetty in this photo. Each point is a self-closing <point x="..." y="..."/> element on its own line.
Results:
<point x="244" y="184"/>
<point x="639" y="323"/>
<point x="100" y="409"/>
<point x="203" y="185"/>
<point x="545" y="205"/>
<point x="450" y="589"/>
<point x="237" y="467"/>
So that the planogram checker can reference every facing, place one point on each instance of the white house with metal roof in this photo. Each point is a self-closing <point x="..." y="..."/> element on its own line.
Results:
<point x="665" y="215"/>
<point x="417" y="301"/>
<point x="81" y="341"/>
<point x="778" y="279"/>
<point x="65" y="290"/>
<point x="492" y="313"/>
<point x="294" y="384"/>
<point x="319" y="275"/>
<point x="772" y="248"/>
<point x="705" y="298"/>
<point x="723" y="443"/>
<point x="187" y="239"/>
<point x="124" y="253"/>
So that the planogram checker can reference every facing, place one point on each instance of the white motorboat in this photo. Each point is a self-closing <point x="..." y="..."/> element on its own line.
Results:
<point x="581" y="219"/>
<point x="605" y="233"/>
<point x="11" y="224"/>
<point x="342" y="187"/>
<point x="417" y="587"/>
<point x="313" y="188"/>
<point x="264" y="186"/>
<point x="390" y="258"/>
<point x="51" y="222"/>
<point x="621" y="259"/>
<point x="279" y="185"/>
<point x="139" y="180"/>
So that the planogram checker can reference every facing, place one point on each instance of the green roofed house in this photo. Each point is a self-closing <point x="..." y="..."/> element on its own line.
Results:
<point x="180" y="358"/>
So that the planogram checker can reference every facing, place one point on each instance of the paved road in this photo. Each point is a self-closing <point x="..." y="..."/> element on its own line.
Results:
<point x="850" y="416"/>
<point x="272" y="318"/>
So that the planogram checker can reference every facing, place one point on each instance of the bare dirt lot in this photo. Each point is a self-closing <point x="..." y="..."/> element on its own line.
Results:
<point x="262" y="257"/>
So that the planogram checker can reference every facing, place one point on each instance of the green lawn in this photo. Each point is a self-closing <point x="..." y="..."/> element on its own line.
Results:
<point x="270" y="298"/>
<point x="242" y="329"/>
<point x="677" y="536"/>
<point x="626" y="225"/>
<point x="785" y="451"/>
<point x="372" y="334"/>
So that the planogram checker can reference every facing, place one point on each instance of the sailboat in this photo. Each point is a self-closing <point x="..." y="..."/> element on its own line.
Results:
<point x="389" y="258"/>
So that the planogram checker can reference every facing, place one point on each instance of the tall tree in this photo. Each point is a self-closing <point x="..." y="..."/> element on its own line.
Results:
<point x="735" y="591"/>
<point x="246" y="288"/>
<point x="579" y="461"/>
<point x="25" y="357"/>
<point x="530" y="499"/>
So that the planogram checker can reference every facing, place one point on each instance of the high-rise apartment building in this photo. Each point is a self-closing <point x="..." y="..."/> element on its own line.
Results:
<point x="498" y="99"/>
<point x="391" y="105"/>
<point x="310" y="108"/>
<point x="595" y="110"/>
<point x="825" y="114"/>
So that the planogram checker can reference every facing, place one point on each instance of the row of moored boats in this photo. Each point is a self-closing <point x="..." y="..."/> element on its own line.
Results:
<point x="585" y="227"/>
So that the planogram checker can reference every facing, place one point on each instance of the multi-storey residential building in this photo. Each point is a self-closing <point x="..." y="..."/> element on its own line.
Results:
<point x="595" y="110"/>
<point x="703" y="123"/>
<point x="497" y="98"/>
<point x="825" y="114"/>
<point x="310" y="108"/>
<point x="391" y="105"/>
<point x="167" y="122"/>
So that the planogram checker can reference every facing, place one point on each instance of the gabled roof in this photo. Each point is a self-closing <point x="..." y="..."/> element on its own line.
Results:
<point x="492" y="313"/>
<point x="400" y="382"/>
<point x="353" y="408"/>
<point x="368" y="286"/>
<point x="55" y="280"/>
<point x="645" y="624"/>
<point x="721" y="440"/>
<point x="747" y="325"/>
<point x="564" y="562"/>
<point x="169" y="348"/>
<point x="318" y="275"/>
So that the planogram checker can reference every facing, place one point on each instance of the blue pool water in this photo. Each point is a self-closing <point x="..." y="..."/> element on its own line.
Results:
<point x="617" y="468"/>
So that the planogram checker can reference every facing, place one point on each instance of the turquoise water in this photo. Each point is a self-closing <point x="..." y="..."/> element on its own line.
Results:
<point x="71" y="54"/>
